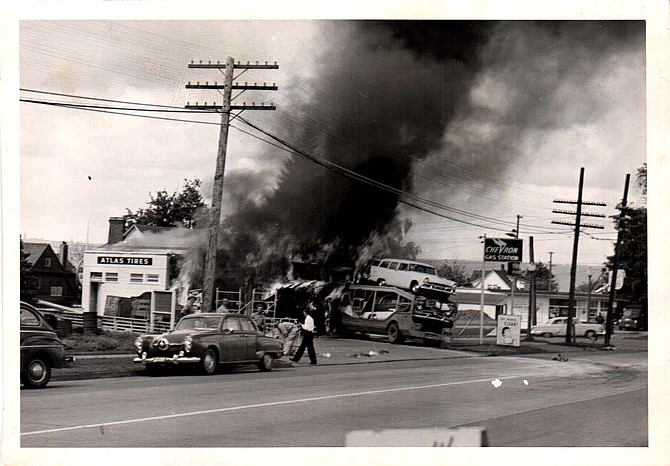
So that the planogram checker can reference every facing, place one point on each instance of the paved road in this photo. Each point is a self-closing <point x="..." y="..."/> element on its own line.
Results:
<point x="539" y="402"/>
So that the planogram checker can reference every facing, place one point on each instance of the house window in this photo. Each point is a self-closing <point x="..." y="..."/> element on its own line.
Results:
<point x="111" y="277"/>
<point x="56" y="291"/>
<point x="136" y="278"/>
<point x="96" y="276"/>
<point x="47" y="262"/>
<point x="152" y="278"/>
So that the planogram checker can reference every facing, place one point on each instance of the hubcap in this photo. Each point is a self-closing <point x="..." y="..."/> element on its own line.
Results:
<point x="36" y="371"/>
<point x="209" y="361"/>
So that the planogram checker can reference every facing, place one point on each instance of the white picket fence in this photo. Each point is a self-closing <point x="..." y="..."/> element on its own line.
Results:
<point x="119" y="324"/>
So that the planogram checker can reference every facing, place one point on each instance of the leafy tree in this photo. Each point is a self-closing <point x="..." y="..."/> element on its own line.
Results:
<point x="632" y="254"/>
<point x="27" y="282"/>
<point x="454" y="272"/>
<point x="170" y="210"/>
<point x="544" y="279"/>
<point x="641" y="178"/>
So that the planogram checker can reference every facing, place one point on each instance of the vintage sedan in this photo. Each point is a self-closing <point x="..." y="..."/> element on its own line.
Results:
<point x="207" y="340"/>
<point x="41" y="349"/>
<point x="557" y="326"/>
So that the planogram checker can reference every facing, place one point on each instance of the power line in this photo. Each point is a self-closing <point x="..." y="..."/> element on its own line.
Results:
<point x="322" y="162"/>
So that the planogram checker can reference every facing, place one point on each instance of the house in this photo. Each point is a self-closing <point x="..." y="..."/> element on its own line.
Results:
<point x="55" y="275"/>
<point x="497" y="280"/>
<point x="137" y="233"/>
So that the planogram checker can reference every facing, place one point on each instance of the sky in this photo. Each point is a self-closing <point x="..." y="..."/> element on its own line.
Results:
<point x="487" y="120"/>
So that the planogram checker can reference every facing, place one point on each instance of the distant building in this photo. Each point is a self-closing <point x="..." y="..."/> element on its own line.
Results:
<point x="122" y="277"/>
<point x="498" y="299"/>
<point x="56" y="277"/>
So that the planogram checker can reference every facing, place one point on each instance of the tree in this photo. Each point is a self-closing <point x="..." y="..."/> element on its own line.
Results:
<point x="27" y="281"/>
<point x="544" y="279"/>
<point x="170" y="210"/>
<point x="454" y="272"/>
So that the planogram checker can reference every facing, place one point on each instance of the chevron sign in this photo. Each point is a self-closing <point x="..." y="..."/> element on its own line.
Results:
<point x="503" y="250"/>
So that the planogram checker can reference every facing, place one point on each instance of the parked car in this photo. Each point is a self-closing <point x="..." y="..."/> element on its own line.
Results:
<point x="208" y="340"/>
<point x="557" y="326"/>
<point x="406" y="274"/>
<point x="633" y="318"/>
<point x="41" y="349"/>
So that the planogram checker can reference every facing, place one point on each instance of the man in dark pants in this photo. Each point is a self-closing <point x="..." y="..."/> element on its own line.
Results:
<point x="307" y="330"/>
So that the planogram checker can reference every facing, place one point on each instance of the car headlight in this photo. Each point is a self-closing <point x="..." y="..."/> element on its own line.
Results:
<point x="188" y="343"/>
<point x="138" y="343"/>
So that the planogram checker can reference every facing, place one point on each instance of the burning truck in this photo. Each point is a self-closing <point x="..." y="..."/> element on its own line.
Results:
<point x="426" y="313"/>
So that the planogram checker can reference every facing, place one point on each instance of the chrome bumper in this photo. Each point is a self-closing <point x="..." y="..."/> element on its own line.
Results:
<point x="176" y="359"/>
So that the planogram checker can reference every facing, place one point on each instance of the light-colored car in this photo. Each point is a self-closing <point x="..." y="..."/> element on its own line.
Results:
<point x="406" y="274"/>
<point x="557" y="327"/>
<point x="207" y="340"/>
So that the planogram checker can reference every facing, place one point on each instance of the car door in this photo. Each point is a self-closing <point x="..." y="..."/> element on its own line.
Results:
<point x="561" y="326"/>
<point x="232" y="340"/>
<point x="250" y="334"/>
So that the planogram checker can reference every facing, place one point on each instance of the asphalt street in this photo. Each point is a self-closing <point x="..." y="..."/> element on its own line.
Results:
<point x="592" y="399"/>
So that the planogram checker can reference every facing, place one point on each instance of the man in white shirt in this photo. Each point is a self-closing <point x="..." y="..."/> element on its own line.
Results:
<point x="307" y="340"/>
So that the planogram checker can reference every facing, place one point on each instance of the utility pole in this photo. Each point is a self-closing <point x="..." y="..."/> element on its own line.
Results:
<point x="514" y="234"/>
<point x="217" y="192"/>
<point x="531" y="288"/>
<point x="569" y="334"/>
<point x="615" y="265"/>
<point x="481" y="296"/>
<point x="588" y="298"/>
<point x="551" y="269"/>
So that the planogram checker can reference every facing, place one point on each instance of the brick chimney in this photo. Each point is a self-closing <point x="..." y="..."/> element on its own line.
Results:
<point x="62" y="255"/>
<point x="116" y="227"/>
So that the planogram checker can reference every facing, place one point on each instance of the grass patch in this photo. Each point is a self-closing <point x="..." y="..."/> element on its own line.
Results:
<point x="109" y="341"/>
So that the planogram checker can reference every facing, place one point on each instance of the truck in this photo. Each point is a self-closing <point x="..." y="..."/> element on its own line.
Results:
<point x="426" y="314"/>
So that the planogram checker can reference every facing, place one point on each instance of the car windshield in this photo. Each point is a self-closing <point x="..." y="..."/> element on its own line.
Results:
<point x="199" y="323"/>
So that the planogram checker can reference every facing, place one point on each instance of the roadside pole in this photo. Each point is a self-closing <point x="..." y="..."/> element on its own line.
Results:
<point x="481" y="305"/>
<point x="615" y="264"/>
<point x="209" y="274"/>
<point x="531" y="290"/>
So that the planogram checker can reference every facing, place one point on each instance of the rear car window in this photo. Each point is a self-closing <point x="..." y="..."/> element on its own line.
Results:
<point x="28" y="318"/>
<point x="231" y="323"/>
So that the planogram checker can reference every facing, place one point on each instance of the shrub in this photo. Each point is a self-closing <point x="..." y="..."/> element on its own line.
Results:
<point x="107" y="340"/>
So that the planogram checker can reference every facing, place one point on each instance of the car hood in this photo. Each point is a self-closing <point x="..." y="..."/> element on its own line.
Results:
<point x="178" y="335"/>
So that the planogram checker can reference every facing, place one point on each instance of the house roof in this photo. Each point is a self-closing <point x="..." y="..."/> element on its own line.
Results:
<point x="147" y="229"/>
<point x="490" y="299"/>
<point x="34" y="251"/>
<point x="502" y="275"/>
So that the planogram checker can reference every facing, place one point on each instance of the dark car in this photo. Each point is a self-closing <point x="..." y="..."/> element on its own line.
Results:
<point x="633" y="318"/>
<point x="41" y="349"/>
<point x="207" y="340"/>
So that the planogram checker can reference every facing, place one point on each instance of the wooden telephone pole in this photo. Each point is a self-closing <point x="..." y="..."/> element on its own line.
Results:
<point x="217" y="192"/>
<point x="615" y="263"/>
<point x="578" y="224"/>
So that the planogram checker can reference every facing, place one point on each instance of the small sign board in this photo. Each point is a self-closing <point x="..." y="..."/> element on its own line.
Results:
<point x="503" y="250"/>
<point x="508" y="332"/>
<point x="436" y="437"/>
